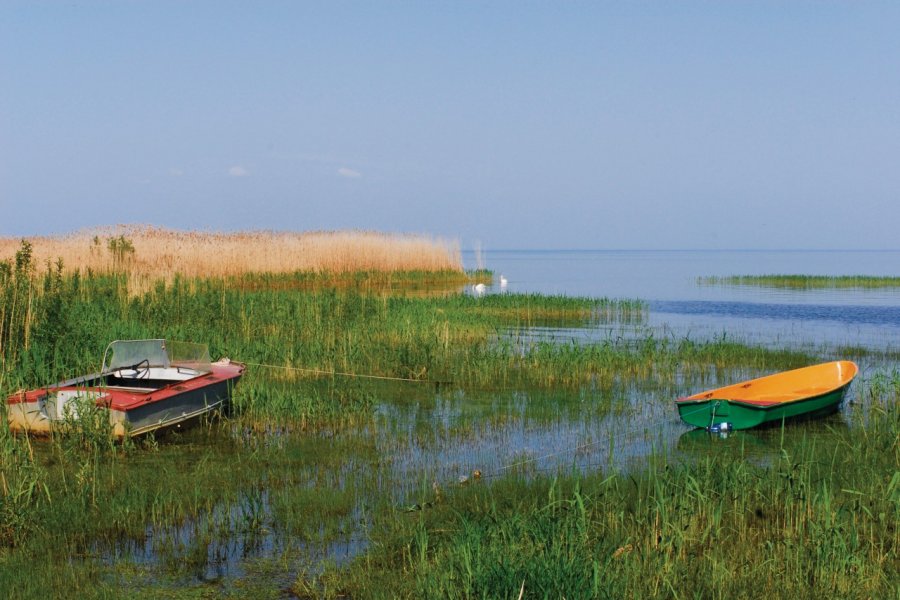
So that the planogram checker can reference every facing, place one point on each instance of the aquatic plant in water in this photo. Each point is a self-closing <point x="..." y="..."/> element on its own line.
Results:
<point x="804" y="282"/>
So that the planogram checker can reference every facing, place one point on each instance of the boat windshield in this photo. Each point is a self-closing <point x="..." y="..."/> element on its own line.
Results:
<point x="164" y="354"/>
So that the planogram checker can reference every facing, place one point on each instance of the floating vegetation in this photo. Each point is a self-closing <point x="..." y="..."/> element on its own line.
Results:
<point x="804" y="282"/>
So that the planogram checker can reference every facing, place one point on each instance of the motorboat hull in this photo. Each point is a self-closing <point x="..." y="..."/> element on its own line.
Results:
<point x="132" y="411"/>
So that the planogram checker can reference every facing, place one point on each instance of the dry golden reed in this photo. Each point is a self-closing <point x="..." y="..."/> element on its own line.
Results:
<point x="161" y="253"/>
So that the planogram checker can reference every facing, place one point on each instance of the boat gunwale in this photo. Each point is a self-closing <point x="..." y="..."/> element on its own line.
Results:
<point x="112" y="397"/>
<point x="758" y="405"/>
<point x="692" y="400"/>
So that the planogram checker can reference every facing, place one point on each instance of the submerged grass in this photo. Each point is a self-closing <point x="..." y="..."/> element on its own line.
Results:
<point x="819" y="522"/>
<point x="176" y="503"/>
<point x="804" y="282"/>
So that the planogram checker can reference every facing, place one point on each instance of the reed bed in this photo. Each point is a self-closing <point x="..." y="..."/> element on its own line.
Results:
<point x="151" y="252"/>
<point x="559" y="311"/>
<point x="421" y="283"/>
<point x="804" y="282"/>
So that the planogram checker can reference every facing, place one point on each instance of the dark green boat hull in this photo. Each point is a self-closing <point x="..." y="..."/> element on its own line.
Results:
<point x="712" y="413"/>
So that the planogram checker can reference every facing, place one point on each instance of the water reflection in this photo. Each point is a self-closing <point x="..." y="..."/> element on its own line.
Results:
<point x="764" y="445"/>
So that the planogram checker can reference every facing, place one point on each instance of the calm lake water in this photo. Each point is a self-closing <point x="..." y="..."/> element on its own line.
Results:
<point x="679" y="305"/>
<point x="421" y="439"/>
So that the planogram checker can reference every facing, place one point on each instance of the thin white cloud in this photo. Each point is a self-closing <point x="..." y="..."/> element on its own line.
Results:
<point x="176" y="172"/>
<point x="238" y="171"/>
<point x="349" y="173"/>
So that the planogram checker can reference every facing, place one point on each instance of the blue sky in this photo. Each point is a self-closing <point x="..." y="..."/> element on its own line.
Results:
<point x="513" y="124"/>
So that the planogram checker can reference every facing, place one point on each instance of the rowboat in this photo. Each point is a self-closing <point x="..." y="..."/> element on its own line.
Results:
<point x="143" y="385"/>
<point x="801" y="393"/>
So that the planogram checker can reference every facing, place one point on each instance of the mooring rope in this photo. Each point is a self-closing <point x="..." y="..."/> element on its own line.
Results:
<point x="341" y="374"/>
<point x="712" y="417"/>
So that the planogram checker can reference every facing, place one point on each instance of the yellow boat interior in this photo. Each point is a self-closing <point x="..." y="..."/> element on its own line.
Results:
<point x="788" y="386"/>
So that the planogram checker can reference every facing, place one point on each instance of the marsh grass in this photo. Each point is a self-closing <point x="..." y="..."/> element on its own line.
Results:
<point x="175" y="508"/>
<point x="818" y="522"/>
<point x="804" y="282"/>
<point x="399" y="282"/>
<point x="536" y="310"/>
<point x="306" y="337"/>
<point x="73" y="497"/>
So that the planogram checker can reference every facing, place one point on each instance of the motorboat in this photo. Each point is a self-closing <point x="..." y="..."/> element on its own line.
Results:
<point x="144" y="385"/>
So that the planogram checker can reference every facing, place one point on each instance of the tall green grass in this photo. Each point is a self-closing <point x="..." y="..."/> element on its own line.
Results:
<point x="458" y="339"/>
<point x="400" y="282"/>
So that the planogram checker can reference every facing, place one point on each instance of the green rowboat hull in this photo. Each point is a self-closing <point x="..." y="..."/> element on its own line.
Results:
<point x="713" y="412"/>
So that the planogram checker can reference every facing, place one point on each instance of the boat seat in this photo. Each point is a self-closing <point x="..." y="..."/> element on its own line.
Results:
<point x="812" y="391"/>
<point x="769" y="399"/>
